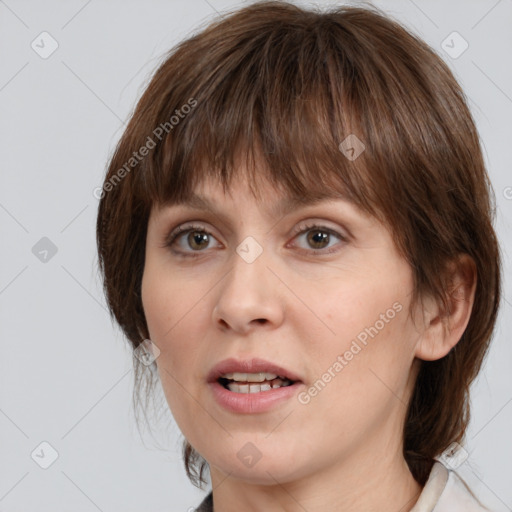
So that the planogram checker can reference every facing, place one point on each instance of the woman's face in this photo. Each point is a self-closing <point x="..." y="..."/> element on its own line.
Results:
<point x="327" y="305"/>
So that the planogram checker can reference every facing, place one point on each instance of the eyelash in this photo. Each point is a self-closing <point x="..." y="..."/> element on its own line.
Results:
<point x="302" y="229"/>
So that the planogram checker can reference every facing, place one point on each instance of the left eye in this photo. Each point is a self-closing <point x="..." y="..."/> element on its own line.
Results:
<point x="318" y="237"/>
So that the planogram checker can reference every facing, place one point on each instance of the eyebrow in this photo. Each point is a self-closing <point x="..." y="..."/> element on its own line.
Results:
<point x="280" y="208"/>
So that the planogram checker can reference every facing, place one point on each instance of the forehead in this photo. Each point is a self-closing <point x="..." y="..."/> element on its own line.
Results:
<point x="210" y="195"/>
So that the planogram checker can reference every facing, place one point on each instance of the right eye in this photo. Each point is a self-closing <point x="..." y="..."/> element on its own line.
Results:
<point x="189" y="239"/>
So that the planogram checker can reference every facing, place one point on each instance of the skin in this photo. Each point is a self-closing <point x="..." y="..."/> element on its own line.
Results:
<point x="342" y="451"/>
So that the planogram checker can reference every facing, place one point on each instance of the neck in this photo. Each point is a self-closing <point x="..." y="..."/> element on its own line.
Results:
<point x="375" y="483"/>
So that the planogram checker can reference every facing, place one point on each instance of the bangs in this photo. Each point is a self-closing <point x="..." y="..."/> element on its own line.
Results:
<point x="261" y="108"/>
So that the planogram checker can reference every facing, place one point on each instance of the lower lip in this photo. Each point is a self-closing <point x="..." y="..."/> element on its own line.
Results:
<point x="249" y="403"/>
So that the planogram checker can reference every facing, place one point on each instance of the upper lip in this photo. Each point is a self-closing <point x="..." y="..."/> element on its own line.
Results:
<point x="254" y="365"/>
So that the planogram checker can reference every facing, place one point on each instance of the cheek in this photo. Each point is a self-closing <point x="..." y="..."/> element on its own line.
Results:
<point x="168" y="301"/>
<point x="175" y="316"/>
<point x="367" y="336"/>
<point x="356" y="310"/>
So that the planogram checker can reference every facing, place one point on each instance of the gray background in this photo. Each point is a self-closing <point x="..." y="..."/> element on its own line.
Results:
<point x="65" y="375"/>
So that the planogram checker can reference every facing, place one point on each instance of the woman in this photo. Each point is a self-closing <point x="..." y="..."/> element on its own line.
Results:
<point x="296" y="231"/>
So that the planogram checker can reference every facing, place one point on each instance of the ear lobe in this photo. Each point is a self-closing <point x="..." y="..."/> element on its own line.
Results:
<point x="444" y="329"/>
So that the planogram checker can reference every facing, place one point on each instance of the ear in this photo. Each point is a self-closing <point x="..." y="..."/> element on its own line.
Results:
<point x="443" y="329"/>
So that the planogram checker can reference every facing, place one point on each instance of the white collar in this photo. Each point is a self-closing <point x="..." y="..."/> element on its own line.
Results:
<point x="433" y="489"/>
<point x="446" y="491"/>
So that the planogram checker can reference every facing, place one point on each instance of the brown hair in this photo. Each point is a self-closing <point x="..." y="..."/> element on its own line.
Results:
<point x="284" y="86"/>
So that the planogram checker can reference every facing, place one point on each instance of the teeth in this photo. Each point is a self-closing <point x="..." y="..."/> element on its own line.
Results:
<point x="250" y="377"/>
<point x="256" y="388"/>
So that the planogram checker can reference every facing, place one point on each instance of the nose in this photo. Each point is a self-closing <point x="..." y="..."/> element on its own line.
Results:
<point x="248" y="296"/>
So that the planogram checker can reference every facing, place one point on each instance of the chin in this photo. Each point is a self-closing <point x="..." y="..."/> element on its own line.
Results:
<point x="259" y="466"/>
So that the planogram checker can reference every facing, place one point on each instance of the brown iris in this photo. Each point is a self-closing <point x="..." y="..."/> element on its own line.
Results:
<point x="195" y="238"/>
<point x="317" y="237"/>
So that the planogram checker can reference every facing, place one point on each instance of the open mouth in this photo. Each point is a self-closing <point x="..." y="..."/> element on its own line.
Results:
<point x="253" y="382"/>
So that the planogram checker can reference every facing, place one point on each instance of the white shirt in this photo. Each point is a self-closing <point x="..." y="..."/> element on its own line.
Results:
<point x="445" y="491"/>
